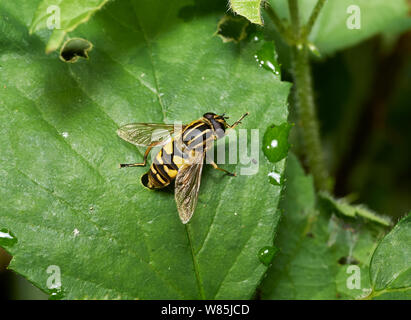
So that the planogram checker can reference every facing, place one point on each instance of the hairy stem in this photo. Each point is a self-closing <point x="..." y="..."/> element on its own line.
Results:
<point x="303" y="89"/>
<point x="307" y="117"/>
<point x="313" y="18"/>
<point x="295" y="16"/>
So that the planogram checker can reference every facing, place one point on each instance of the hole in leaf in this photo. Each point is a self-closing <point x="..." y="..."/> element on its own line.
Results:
<point x="74" y="48"/>
<point x="231" y="28"/>
<point x="347" y="260"/>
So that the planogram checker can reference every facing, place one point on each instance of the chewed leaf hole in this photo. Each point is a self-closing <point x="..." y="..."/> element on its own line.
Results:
<point x="74" y="48"/>
<point x="232" y="28"/>
<point x="347" y="260"/>
<point x="187" y="13"/>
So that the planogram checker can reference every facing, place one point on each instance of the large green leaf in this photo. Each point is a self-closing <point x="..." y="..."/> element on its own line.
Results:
<point x="317" y="247"/>
<point x="330" y="33"/>
<point x="64" y="200"/>
<point x="391" y="264"/>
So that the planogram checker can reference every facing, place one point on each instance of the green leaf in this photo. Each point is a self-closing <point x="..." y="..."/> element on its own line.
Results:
<point x="65" y="200"/>
<point x="62" y="17"/>
<point x="317" y="248"/>
<point x="330" y="32"/>
<point x="391" y="264"/>
<point x="345" y="208"/>
<point x="251" y="9"/>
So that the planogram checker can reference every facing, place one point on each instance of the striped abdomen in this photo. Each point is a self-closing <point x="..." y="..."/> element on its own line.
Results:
<point x="164" y="168"/>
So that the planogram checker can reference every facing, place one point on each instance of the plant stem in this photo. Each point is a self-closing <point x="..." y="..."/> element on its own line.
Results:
<point x="307" y="117"/>
<point x="295" y="16"/>
<point x="303" y="89"/>
<point x="276" y="20"/>
<point x="304" y="96"/>
<point x="313" y="18"/>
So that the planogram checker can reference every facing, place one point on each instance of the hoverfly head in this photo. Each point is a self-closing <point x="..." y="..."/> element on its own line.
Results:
<point x="218" y="123"/>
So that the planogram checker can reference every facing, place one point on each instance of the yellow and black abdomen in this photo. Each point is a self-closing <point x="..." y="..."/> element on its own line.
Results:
<point x="164" y="168"/>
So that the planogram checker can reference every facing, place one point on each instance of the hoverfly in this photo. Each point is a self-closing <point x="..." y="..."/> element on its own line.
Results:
<point x="181" y="157"/>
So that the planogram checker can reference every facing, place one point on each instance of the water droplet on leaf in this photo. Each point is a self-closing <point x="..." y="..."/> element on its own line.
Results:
<point x="275" y="178"/>
<point x="266" y="254"/>
<point x="56" y="293"/>
<point x="76" y="232"/>
<point x="7" y="238"/>
<point x="275" y="142"/>
<point x="267" y="57"/>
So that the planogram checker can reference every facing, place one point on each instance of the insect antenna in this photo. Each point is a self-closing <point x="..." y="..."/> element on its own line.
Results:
<point x="239" y="120"/>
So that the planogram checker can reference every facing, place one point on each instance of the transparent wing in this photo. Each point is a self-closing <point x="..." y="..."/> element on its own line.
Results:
<point x="187" y="185"/>
<point x="144" y="134"/>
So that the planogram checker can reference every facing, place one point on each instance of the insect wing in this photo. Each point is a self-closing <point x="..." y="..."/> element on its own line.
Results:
<point x="144" y="134"/>
<point x="187" y="185"/>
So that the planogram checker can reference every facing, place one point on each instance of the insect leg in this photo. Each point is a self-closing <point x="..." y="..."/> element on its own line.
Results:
<point x="215" y="166"/>
<point x="143" y="164"/>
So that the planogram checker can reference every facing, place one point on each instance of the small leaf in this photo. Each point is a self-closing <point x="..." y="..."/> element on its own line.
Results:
<point x="345" y="208"/>
<point x="391" y="263"/>
<point x="251" y="9"/>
